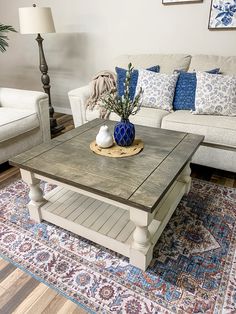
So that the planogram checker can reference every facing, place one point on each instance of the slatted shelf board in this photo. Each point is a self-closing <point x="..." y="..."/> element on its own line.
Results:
<point x="103" y="223"/>
<point x="92" y="219"/>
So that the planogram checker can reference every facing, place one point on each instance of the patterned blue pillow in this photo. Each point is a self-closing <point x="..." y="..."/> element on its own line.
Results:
<point x="121" y="75"/>
<point x="185" y="90"/>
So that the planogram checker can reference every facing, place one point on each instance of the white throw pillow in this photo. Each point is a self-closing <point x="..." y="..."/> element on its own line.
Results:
<point x="158" y="89"/>
<point x="215" y="94"/>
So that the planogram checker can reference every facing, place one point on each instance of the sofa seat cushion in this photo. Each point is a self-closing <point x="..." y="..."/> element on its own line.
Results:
<point x="14" y="122"/>
<point x="216" y="129"/>
<point x="146" y="116"/>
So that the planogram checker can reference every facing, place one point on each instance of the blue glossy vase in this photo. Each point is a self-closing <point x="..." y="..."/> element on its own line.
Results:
<point x="124" y="133"/>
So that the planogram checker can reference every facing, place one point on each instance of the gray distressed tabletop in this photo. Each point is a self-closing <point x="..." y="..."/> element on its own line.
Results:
<point x="140" y="180"/>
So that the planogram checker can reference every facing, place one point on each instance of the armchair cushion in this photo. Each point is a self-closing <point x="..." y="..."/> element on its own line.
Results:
<point x="14" y="122"/>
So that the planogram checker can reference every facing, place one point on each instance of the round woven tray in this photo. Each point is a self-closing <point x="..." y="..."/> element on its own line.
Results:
<point x="118" y="151"/>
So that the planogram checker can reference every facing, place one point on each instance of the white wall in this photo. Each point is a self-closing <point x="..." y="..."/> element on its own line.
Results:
<point x="92" y="32"/>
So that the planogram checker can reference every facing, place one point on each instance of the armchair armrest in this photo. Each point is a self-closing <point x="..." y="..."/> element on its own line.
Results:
<point x="19" y="98"/>
<point x="78" y="98"/>
<point x="29" y="100"/>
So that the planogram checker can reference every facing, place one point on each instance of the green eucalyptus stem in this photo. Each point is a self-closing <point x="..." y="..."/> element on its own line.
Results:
<point x="123" y="106"/>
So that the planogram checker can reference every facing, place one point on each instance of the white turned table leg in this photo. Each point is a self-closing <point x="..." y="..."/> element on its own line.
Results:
<point x="185" y="177"/>
<point x="35" y="194"/>
<point x="141" y="237"/>
<point x="141" y="250"/>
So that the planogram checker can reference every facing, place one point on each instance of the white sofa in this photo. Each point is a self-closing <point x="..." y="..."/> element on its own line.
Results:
<point x="24" y="121"/>
<point x="219" y="147"/>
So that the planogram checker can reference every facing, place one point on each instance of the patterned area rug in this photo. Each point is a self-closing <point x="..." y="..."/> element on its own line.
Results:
<point x="193" y="270"/>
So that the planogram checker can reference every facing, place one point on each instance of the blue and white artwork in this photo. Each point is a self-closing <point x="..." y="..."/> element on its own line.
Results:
<point x="180" y="1"/>
<point x="223" y="14"/>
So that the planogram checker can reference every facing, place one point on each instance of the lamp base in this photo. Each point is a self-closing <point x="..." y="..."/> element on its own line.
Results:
<point x="57" y="129"/>
<point x="54" y="127"/>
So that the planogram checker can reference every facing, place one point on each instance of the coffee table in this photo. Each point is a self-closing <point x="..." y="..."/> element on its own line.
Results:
<point x="120" y="203"/>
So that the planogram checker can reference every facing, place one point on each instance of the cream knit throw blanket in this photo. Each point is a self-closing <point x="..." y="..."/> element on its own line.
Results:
<point x="101" y="83"/>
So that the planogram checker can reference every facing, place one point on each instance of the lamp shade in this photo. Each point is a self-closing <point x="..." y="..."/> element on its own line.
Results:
<point x="36" y="20"/>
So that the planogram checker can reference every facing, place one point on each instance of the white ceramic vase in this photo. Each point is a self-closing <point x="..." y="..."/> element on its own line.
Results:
<point x="104" y="138"/>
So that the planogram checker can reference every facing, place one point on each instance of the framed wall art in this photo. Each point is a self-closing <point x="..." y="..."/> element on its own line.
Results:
<point x="222" y="15"/>
<point x="180" y="1"/>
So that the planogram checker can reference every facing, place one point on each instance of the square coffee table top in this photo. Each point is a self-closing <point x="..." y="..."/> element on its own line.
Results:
<point x="139" y="181"/>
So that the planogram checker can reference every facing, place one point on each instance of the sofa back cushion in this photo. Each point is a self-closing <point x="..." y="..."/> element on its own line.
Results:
<point x="168" y="62"/>
<point x="227" y="65"/>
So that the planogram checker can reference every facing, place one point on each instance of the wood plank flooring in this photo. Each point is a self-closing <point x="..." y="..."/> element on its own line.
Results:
<point x="217" y="176"/>
<point x="22" y="294"/>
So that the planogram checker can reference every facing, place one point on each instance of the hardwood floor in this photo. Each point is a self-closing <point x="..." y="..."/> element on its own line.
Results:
<point x="221" y="177"/>
<point x="22" y="294"/>
<point x="66" y="121"/>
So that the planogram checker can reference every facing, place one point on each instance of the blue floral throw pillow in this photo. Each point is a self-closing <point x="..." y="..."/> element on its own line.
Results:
<point x="158" y="89"/>
<point x="185" y="90"/>
<point x="121" y="75"/>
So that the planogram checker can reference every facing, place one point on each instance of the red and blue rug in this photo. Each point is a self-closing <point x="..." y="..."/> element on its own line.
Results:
<point x="193" y="269"/>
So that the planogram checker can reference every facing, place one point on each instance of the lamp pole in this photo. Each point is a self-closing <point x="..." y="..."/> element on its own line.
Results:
<point x="45" y="79"/>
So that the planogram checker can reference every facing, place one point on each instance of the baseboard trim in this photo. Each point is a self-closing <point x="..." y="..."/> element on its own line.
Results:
<point x="62" y="110"/>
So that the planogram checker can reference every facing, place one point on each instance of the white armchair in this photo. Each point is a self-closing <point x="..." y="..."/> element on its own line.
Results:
<point x="24" y="121"/>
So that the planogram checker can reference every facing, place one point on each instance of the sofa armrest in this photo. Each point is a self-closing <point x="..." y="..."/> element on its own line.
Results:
<point x="78" y="98"/>
<point x="29" y="100"/>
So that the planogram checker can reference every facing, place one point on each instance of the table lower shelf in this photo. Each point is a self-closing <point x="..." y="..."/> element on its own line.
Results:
<point x="99" y="222"/>
<point x="104" y="224"/>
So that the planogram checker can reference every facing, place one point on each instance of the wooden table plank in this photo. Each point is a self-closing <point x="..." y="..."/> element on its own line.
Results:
<point x="44" y="147"/>
<point x="110" y="222"/>
<point x="101" y="220"/>
<point x="121" y="223"/>
<point x="77" y="203"/>
<point x="153" y="189"/>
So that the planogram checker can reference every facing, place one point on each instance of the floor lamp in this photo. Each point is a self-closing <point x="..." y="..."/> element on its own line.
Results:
<point x="36" y="20"/>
